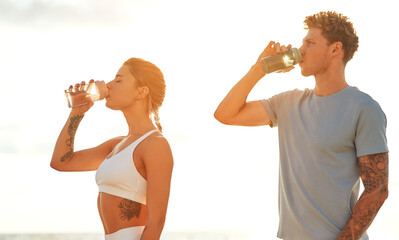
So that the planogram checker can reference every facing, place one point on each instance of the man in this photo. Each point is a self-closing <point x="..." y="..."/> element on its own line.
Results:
<point x="328" y="136"/>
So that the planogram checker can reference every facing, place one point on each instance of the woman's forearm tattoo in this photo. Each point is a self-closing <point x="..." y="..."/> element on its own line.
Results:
<point x="72" y="128"/>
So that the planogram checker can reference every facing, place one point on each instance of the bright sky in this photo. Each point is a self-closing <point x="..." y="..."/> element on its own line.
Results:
<point x="225" y="178"/>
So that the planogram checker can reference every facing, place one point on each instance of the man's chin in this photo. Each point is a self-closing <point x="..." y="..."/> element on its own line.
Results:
<point x="305" y="74"/>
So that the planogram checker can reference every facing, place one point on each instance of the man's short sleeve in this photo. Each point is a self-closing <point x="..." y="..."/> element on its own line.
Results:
<point x="273" y="105"/>
<point x="370" y="130"/>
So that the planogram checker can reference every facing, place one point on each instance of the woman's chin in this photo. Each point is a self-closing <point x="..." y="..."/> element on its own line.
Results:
<point x="108" y="105"/>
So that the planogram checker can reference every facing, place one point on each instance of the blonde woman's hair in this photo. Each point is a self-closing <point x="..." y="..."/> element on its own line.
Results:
<point x="150" y="76"/>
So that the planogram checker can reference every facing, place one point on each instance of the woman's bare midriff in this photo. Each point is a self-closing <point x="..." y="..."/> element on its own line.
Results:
<point x="117" y="213"/>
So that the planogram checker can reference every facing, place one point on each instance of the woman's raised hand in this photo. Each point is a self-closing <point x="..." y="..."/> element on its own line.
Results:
<point x="80" y="101"/>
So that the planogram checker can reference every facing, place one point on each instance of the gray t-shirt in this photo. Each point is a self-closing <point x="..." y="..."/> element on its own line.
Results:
<point x="320" y="139"/>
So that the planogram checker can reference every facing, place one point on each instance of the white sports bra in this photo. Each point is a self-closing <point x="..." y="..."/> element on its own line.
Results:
<point x="118" y="175"/>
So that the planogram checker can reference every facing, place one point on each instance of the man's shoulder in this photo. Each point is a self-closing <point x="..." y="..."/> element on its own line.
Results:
<point x="289" y="96"/>
<point x="366" y="106"/>
<point x="296" y="92"/>
<point x="362" y="99"/>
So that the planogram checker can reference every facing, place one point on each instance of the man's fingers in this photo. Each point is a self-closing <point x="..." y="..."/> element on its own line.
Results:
<point x="287" y="69"/>
<point x="277" y="47"/>
<point x="271" y="43"/>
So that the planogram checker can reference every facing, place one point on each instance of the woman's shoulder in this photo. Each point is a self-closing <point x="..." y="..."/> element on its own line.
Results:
<point x="156" y="149"/>
<point x="155" y="141"/>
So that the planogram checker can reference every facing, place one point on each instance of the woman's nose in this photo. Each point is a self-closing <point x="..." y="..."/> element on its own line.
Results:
<point x="108" y="84"/>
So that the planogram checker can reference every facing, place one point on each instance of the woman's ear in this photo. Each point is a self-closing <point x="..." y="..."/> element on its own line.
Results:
<point x="143" y="92"/>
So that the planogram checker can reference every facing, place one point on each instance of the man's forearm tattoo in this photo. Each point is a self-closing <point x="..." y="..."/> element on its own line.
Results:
<point x="373" y="170"/>
<point x="346" y="233"/>
<point x="72" y="128"/>
<point x="129" y="209"/>
<point x="361" y="220"/>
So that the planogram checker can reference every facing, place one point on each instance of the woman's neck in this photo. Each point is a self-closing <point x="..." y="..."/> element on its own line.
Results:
<point x="139" y="122"/>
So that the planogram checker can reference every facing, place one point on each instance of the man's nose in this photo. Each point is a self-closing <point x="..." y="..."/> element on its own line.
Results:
<point x="301" y="50"/>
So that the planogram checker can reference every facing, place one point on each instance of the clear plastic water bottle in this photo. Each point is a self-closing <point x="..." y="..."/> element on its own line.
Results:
<point x="77" y="96"/>
<point x="281" y="61"/>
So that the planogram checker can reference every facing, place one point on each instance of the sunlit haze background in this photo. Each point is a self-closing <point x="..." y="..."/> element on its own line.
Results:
<point x="225" y="178"/>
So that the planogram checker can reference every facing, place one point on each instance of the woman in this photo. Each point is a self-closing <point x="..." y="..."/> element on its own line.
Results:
<point x="134" y="171"/>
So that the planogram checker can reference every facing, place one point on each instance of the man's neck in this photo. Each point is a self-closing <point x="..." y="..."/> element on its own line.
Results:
<point x="330" y="82"/>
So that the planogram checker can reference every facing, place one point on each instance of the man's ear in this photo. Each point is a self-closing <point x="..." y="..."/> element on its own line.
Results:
<point x="337" y="48"/>
<point x="143" y="92"/>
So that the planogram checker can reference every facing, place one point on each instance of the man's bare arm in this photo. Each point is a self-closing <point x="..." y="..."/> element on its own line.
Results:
<point x="374" y="173"/>
<point x="234" y="109"/>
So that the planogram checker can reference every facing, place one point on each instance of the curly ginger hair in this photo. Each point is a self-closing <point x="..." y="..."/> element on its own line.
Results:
<point x="335" y="28"/>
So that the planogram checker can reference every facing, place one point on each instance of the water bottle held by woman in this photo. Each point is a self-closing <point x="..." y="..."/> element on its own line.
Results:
<point x="77" y="96"/>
